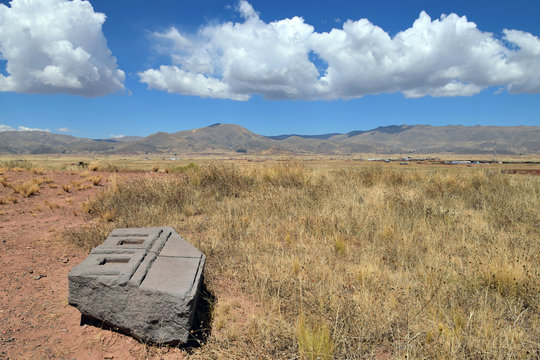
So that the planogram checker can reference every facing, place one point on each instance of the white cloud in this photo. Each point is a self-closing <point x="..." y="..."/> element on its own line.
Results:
<point x="24" y="128"/>
<point x="56" y="46"/>
<point x="287" y="59"/>
<point x="116" y="136"/>
<point x="20" y="128"/>
<point x="66" y="130"/>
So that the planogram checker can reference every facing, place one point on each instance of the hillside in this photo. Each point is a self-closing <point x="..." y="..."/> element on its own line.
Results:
<point x="229" y="138"/>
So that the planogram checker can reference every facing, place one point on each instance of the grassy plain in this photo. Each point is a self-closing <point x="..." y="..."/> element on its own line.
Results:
<point x="348" y="259"/>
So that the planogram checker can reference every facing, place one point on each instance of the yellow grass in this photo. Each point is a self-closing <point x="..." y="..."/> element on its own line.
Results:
<point x="37" y="171"/>
<point x="362" y="262"/>
<point x="11" y="199"/>
<point x="95" y="180"/>
<point x="26" y="188"/>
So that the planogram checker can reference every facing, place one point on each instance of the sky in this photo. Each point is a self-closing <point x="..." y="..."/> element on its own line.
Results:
<point x="104" y="68"/>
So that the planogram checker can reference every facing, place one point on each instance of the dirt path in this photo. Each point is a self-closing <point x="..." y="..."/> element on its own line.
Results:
<point x="36" y="321"/>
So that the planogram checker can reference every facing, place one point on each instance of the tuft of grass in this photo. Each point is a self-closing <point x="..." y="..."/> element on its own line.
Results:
<point x="37" y="171"/>
<point x="50" y="205"/>
<point x="26" y="188"/>
<point x="8" y="200"/>
<point x="93" y="166"/>
<point x="155" y="168"/>
<point x="3" y="181"/>
<point x="314" y="340"/>
<point x="339" y="245"/>
<point x="95" y="180"/>
<point x="350" y="263"/>
<point x="66" y="188"/>
<point x="104" y="165"/>
<point x="182" y="169"/>
<point x="45" y="180"/>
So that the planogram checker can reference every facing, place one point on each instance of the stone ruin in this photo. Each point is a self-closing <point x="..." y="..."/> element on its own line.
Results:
<point x="144" y="281"/>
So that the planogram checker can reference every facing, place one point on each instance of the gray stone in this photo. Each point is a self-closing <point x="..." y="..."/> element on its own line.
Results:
<point x="145" y="281"/>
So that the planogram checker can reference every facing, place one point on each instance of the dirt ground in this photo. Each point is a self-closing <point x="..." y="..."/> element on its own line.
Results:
<point x="36" y="321"/>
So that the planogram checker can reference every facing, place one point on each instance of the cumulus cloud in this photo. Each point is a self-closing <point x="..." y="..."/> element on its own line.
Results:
<point x="288" y="59"/>
<point x="56" y="46"/>
<point x="20" y="128"/>
<point x="116" y="136"/>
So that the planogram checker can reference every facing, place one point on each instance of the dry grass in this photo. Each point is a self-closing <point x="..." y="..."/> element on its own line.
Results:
<point x="82" y="186"/>
<point x="26" y="188"/>
<point x="93" y="166"/>
<point x="95" y="180"/>
<point x="37" y="171"/>
<point x="351" y="263"/>
<point x="104" y="165"/>
<point x="17" y="165"/>
<point x="8" y="200"/>
<point x="42" y="180"/>
<point x="51" y="205"/>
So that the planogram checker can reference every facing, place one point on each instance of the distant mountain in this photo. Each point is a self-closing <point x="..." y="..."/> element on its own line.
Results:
<point x="322" y="136"/>
<point x="40" y="142"/>
<point x="229" y="139"/>
<point x="124" y="139"/>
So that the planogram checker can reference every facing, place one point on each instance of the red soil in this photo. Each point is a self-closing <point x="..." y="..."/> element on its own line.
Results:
<point x="36" y="321"/>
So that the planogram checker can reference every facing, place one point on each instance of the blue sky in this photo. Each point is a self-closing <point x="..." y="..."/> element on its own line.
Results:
<point x="161" y="81"/>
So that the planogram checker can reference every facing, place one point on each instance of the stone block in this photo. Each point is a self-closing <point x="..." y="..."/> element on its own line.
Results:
<point x="145" y="281"/>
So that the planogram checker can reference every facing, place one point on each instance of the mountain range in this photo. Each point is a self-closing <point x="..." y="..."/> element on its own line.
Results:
<point x="228" y="138"/>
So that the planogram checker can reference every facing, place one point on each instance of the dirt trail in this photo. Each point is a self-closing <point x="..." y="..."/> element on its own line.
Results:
<point x="36" y="321"/>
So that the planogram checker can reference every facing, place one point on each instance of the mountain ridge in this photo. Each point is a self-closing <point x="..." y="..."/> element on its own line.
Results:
<point x="231" y="138"/>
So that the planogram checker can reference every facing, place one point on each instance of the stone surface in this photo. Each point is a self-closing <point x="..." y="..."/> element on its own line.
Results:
<point x="145" y="281"/>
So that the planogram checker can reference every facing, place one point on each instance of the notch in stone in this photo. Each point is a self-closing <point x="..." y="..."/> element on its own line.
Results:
<point x="112" y="261"/>
<point x="124" y="242"/>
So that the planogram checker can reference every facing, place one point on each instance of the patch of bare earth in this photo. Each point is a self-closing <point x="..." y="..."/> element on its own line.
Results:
<point x="36" y="321"/>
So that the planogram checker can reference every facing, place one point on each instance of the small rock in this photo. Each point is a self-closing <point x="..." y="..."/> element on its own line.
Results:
<point x="66" y="260"/>
<point x="38" y="277"/>
<point x="30" y="271"/>
<point x="108" y="356"/>
<point x="64" y="330"/>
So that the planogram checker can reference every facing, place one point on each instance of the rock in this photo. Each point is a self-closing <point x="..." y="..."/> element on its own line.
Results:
<point x="39" y="277"/>
<point x="145" y="281"/>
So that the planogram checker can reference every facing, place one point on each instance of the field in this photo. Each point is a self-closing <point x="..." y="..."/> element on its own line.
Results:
<point x="305" y="259"/>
